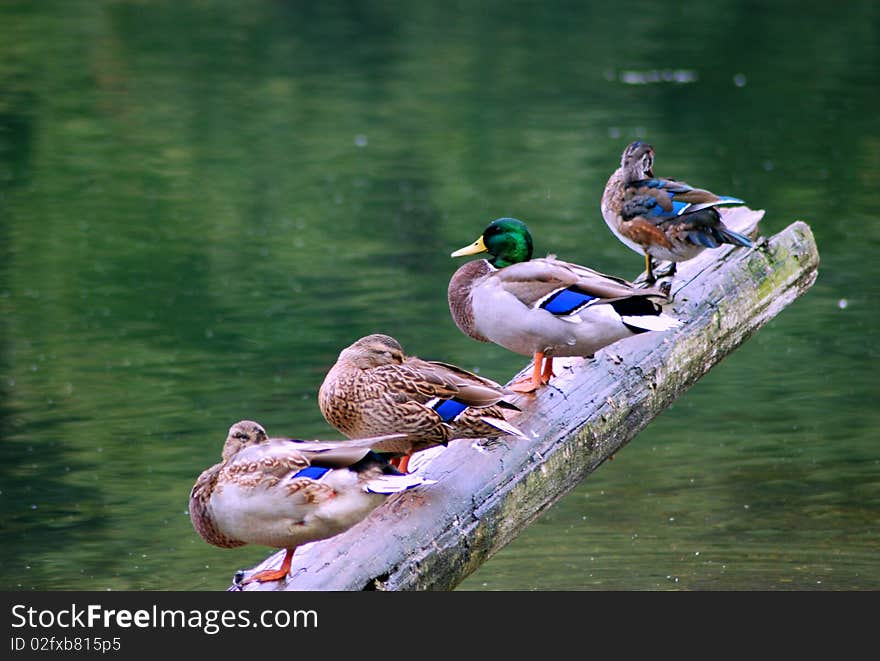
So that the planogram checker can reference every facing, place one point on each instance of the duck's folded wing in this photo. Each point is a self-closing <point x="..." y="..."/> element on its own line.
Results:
<point x="341" y="454"/>
<point x="472" y="389"/>
<point x="604" y="287"/>
<point x="415" y="379"/>
<point x="587" y="272"/>
<point x="424" y="380"/>
<point x="660" y="200"/>
<point x="532" y="281"/>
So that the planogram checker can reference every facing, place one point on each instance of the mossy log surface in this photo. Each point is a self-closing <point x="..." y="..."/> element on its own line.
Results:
<point x="431" y="538"/>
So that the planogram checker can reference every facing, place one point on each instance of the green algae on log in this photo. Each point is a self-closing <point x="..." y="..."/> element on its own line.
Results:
<point x="431" y="538"/>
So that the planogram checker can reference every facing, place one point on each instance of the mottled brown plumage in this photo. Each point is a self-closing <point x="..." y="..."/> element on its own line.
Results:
<point x="199" y="510"/>
<point x="374" y="388"/>
<point x="662" y="218"/>
<point x="258" y="495"/>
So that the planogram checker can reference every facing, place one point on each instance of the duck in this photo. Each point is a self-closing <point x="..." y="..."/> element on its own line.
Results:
<point x="545" y="307"/>
<point x="663" y="219"/>
<point x="284" y="493"/>
<point x="374" y="388"/>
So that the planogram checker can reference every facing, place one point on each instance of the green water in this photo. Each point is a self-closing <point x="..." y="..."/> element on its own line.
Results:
<point x="202" y="203"/>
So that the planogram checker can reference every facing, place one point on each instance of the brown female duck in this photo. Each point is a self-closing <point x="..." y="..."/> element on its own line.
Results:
<point x="374" y="388"/>
<point x="284" y="493"/>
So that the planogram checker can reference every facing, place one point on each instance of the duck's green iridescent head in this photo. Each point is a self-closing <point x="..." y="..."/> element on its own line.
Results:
<point x="508" y="241"/>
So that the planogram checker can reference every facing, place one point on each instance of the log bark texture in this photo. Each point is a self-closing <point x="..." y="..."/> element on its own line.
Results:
<point x="432" y="537"/>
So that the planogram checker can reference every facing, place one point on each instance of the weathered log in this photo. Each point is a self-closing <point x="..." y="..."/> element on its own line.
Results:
<point x="434" y="536"/>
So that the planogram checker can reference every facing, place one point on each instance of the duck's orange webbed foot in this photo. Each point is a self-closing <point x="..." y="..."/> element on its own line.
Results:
<point x="268" y="575"/>
<point x="533" y="382"/>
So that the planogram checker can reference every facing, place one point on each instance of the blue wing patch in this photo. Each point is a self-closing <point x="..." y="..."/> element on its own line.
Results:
<point x="449" y="409"/>
<point x="566" y="301"/>
<point x="313" y="472"/>
<point x="678" y="207"/>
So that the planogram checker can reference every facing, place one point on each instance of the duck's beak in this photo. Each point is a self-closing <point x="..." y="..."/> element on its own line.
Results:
<point x="475" y="248"/>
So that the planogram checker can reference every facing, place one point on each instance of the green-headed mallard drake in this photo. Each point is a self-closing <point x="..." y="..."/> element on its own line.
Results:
<point x="662" y="218"/>
<point x="284" y="493"/>
<point x="544" y="307"/>
<point x="374" y="388"/>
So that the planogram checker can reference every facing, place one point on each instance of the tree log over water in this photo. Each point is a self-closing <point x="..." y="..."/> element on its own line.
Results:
<point x="431" y="538"/>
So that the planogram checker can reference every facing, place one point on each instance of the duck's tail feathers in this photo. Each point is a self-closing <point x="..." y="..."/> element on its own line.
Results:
<point x="395" y="483"/>
<point x="503" y="426"/>
<point x="651" y="322"/>
<point x="735" y="238"/>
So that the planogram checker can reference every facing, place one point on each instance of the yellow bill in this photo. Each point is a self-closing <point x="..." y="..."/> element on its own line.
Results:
<point x="475" y="248"/>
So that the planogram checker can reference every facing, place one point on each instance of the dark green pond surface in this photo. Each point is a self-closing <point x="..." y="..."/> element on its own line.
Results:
<point x="202" y="203"/>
